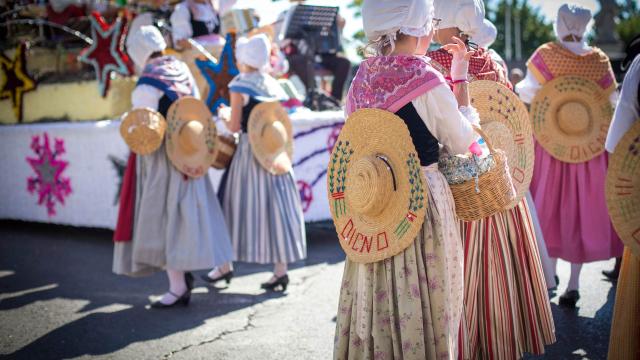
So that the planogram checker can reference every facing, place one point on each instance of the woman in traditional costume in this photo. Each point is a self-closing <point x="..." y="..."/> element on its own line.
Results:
<point x="197" y="18"/>
<point x="625" y="327"/>
<point x="570" y="196"/>
<point x="167" y="220"/>
<point x="504" y="280"/>
<point x="409" y="306"/>
<point x="260" y="198"/>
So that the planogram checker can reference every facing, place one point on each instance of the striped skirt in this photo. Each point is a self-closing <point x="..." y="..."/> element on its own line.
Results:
<point x="263" y="211"/>
<point x="506" y="302"/>
<point x="408" y="306"/>
<point x="625" y="327"/>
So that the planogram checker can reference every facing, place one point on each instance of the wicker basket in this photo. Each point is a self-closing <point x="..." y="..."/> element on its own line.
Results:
<point x="225" y="148"/>
<point x="490" y="192"/>
<point x="143" y="130"/>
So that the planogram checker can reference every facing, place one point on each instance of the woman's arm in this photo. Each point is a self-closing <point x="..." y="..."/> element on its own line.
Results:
<point x="628" y="109"/>
<point x="451" y="125"/>
<point x="234" y="120"/>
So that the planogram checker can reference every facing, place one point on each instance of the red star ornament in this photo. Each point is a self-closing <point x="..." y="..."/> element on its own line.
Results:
<point x="15" y="80"/>
<point x="107" y="54"/>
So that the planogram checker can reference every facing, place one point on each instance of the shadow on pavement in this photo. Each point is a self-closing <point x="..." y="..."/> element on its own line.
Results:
<point x="572" y="329"/>
<point x="43" y="262"/>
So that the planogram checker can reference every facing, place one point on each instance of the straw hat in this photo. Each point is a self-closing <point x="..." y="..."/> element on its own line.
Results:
<point x="143" y="130"/>
<point x="191" y="136"/>
<point x="505" y="120"/>
<point x="571" y="117"/>
<point x="623" y="188"/>
<point x="377" y="193"/>
<point x="271" y="137"/>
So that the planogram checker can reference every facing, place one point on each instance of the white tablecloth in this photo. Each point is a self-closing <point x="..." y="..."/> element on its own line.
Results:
<point x="79" y="177"/>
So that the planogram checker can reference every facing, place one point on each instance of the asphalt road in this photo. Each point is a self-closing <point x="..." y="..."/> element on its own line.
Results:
<point x="59" y="299"/>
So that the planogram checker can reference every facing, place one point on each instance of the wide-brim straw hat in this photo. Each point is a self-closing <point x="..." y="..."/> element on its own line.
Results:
<point x="191" y="136"/>
<point x="271" y="137"/>
<point x="570" y="117"/>
<point x="623" y="188"/>
<point x="377" y="192"/>
<point x="504" y="118"/>
<point x="143" y="130"/>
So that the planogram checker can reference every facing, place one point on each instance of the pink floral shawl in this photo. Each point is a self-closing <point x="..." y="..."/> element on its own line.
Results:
<point x="391" y="82"/>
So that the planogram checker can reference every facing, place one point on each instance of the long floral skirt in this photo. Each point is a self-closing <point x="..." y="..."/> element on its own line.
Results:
<point x="506" y="302"/>
<point x="625" y="327"/>
<point x="408" y="306"/>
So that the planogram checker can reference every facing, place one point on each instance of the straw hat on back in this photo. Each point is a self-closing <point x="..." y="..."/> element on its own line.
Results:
<point x="377" y="192"/>
<point x="271" y="137"/>
<point x="571" y="117"/>
<point x="191" y="137"/>
<point x="143" y="130"/>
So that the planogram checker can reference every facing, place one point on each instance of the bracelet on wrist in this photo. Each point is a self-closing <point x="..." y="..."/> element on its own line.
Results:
<point x="454" y="82"/>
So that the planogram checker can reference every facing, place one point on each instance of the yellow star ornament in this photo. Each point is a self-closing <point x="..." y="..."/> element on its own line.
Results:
<point x="15" y="81"/>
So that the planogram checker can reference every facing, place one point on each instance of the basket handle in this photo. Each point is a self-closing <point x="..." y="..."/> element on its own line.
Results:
<point x="485" y="137"/>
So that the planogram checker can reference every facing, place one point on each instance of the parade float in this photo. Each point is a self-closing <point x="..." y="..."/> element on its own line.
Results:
<point x="65" y="81"/>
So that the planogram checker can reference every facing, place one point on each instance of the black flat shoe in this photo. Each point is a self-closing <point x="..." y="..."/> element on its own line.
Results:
<point x="281" y="282"/>
<point x="226" y="277"/>
<point x="612" y="275"/>
<point x="569" y="298"/>
<point x="180" y="300"/>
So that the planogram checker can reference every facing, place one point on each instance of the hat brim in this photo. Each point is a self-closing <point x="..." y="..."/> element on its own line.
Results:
<point x="143" y="130"/>
<point x="365" y="239"/>
<point x="504" y="118"/>
<point x="571" y="148"/>
<point x="183" y="110"/>
<point x="623" y="188"/>
<point x="280" y="161"/>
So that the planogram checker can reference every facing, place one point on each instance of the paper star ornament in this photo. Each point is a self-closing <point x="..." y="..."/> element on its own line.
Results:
<point x="15" y="80"/>
<point x="107" y="54"/>
<point x="219" y="75"/>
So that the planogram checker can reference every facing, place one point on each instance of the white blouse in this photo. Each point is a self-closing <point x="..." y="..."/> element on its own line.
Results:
<point x="450" y="125"/>
<point x="181" y="18"/>
<point x="628" y="109"/>
<point x="529" y="86"/>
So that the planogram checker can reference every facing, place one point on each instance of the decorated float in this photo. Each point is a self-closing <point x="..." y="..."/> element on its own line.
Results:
<point x="65" y="81"/>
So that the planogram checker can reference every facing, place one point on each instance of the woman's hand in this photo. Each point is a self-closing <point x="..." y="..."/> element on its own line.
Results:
<point x="184" y="44"/>
<point x="460" y="62"/>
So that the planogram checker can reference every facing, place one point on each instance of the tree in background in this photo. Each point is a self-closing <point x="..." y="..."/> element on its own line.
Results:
<point x="629" y="24"/>
<point x="535" y="30"/>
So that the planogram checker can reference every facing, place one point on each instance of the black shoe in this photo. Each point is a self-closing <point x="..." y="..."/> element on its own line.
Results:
<point x="281" y="281"/>
<point x="180" y="300"/>
<point x="569" y="298"/>
<point x="188" y="279"/>
<point x="226" y="277"/>
<point x="613" y="274"/>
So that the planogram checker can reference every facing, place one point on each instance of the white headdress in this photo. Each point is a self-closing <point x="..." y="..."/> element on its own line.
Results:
<point x="143" y="42"/>
<point x="572" y="20"/>
<point x="466" y="15"/>
<point x="383" y="19"/>
<point x="486" y="35"/>
<point x="254" y="51"/>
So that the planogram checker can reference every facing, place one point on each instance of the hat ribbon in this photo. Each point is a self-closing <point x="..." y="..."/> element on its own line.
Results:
<point x="393" y="174"/>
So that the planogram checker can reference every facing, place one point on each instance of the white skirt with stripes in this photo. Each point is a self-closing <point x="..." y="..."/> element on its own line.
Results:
<point x="263" y="211"/>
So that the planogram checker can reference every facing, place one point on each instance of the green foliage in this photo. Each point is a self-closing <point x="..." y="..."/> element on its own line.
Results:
<point x="535" y="29"/>
<point x="629" y="24"/>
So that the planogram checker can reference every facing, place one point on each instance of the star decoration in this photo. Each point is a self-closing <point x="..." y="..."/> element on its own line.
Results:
<point x="107" y="54"/>
<point x="48" y="182"/>
<point x="16" y="80"/>
<point x="219" y="75"/>
<point x="120" y="166"/>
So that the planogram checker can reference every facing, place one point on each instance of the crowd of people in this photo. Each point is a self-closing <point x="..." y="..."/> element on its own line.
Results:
<point x="475" y="289"/>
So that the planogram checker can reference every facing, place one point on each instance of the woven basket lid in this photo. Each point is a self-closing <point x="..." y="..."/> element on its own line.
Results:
<point x="377" y="192"/>
<point x="143" y="130"/>
<point x="191" y="136"/>
<point x="505" y="120"/>
<point x="623" y="188"/>
<point x="571" y="117"/>
<point x="271" y="137"/>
